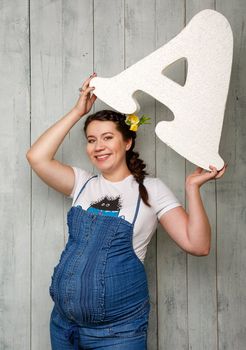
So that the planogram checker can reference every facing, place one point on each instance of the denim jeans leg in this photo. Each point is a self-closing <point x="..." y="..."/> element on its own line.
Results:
<point x="58" y="332"/>
<point x="130" y="334"/>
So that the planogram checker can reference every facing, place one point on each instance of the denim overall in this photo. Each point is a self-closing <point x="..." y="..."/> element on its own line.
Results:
<point x="99" y="279"/>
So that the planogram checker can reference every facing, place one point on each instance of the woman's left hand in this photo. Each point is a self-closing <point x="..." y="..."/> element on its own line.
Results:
<point x="201" y="176"/>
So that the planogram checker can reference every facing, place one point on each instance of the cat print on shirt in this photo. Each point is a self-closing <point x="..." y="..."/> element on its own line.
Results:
<point x="108" y="206"/>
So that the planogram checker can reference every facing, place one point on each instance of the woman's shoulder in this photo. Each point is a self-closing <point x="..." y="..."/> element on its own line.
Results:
<point x="152" y="181"/>
<point x="81" y="173"/>
<point x="156" y="186"/>
<point x="80" y="177"/>
<point x="161" y="196"/>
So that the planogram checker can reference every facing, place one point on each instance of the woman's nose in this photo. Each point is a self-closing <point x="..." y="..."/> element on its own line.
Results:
<point x="99" y="145"/>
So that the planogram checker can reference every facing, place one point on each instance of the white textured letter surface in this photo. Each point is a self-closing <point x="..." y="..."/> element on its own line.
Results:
<point x="198" y="106"/>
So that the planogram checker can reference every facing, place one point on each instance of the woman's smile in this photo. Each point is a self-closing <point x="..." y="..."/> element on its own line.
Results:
<point x="102" y="157"/>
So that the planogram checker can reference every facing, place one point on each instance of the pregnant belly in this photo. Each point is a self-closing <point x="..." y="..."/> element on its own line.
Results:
<point x="91" y="293"/>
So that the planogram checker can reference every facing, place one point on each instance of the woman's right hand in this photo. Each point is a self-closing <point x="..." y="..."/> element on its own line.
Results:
<point x="86" y="100"/>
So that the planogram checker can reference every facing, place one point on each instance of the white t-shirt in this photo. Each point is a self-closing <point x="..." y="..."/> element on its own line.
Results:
<point x="121" y="197"/>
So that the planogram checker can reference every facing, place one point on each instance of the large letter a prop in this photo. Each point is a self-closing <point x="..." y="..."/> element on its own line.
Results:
<point x="198" y="106"/>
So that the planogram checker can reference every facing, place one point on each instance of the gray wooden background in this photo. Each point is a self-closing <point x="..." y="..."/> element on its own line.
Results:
<point x="48" y="48"/>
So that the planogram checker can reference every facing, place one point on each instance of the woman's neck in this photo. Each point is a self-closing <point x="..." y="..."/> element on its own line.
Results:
<point x="117" y="175"/>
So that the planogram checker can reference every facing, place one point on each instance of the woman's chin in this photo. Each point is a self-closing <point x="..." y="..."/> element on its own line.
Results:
<point x="104" y="168"/>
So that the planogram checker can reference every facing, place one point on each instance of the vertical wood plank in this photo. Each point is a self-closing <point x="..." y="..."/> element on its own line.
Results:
<point x="77" y="66"/>
<point x="140" y="40"/>
<point x="77" y="27"/>
<point x="108" y="40"/>
<point x="231" y="194"/>
<point x="14" y="176"/>
<point x="202" y="302"/>
<point x="47" y="205"/>
<point x="171" y="261"/>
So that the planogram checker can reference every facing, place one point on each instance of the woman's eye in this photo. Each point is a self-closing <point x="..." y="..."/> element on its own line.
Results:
<point x="90" y="141"/>
<point x="108" y="137"/>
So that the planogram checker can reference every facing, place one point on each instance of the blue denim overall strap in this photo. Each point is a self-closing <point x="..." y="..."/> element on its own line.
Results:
<point x="79" y="279"/>
<point x="137" y="210"/>
<point x="84" y="187"/>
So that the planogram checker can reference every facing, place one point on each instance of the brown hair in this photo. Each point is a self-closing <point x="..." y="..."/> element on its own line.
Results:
<point x="134" y="163"/>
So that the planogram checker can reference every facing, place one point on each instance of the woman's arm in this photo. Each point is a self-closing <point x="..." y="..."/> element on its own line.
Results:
<point x="191" y="231"/>
<point x="41" y="154"/>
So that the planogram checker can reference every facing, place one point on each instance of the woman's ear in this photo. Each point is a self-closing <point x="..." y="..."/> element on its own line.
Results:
<point x="129" y="144"/>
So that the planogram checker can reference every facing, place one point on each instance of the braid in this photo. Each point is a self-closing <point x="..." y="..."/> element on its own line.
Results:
<point x="136" y="166"/>
<point x="134" y="163"/>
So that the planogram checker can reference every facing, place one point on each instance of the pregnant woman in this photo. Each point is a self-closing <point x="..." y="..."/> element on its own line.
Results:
<point x="99" y="287"/>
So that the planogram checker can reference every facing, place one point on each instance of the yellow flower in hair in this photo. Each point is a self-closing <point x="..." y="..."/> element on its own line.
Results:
<point x="133" y="121"/>
<point x="134" y="127"/>
<point x="132" y="118"/>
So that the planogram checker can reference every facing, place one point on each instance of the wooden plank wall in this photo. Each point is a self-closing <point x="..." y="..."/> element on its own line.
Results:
<point x="47" y="49"/>
<point x="15" y="177"/>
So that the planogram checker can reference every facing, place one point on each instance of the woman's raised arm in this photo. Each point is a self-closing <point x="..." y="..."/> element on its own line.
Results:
<point x="192" y="232"/>
<point x="41" y="154"/>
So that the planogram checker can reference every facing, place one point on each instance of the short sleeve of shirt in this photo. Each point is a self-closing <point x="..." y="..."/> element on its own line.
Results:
<point x="81" y="176"/>
<point x="164" y="199"/>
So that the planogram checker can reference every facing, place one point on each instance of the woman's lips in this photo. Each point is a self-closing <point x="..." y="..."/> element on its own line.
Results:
<point x="102" y="157"/>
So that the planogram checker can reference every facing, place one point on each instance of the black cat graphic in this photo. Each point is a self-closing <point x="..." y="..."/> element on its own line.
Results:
<point x="106" y="206"/>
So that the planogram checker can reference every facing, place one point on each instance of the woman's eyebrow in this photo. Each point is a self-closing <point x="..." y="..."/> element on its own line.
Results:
<point x="108" y="132"/>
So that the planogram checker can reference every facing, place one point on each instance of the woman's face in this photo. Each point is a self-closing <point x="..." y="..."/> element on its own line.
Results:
<point x="106" y="147"/>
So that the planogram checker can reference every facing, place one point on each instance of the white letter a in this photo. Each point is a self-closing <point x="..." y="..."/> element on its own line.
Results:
<point x="198" y="106"/>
